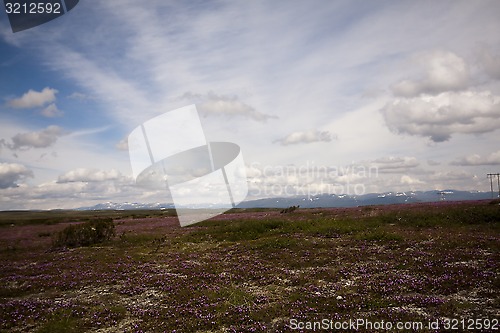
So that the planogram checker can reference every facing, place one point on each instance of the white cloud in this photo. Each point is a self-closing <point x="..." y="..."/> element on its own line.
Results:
<point x="11" y="173"/>
<point x="230" y="106"/>
<point x="41" y="139"/>
<point x="310" y="136"/>
<point x="444" y="71"/>
<point x="88" y="175"/>
<point x="475" y="159"/>
<point x="51" y="111"/>
<point x="33" y="99"/>
<point x="439" y="117"/>
<point x="405" y="179"/>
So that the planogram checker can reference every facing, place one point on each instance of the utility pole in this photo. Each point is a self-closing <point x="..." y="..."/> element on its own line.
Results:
<point x="491" y="176"/>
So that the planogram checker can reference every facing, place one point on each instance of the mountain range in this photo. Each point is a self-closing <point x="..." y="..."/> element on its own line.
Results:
<point x="324" y="200"/>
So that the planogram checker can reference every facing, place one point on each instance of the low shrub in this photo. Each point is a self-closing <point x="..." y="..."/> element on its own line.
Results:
<point x="289" y="209"/>
<point x="85" y="234"/>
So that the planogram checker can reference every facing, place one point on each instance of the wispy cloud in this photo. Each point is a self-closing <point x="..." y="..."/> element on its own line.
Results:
<point x="127" y="102"/>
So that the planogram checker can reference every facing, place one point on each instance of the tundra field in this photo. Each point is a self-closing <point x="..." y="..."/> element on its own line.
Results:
<point x="253" y="270"/>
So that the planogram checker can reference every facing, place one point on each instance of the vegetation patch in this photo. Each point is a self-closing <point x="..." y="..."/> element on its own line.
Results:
<point x="85" y="234"/>
<point x="253" y="270"/>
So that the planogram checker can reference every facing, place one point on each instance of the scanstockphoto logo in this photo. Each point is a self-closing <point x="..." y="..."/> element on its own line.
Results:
<point x="309" y="180"/>
<point x="204" y="178"/>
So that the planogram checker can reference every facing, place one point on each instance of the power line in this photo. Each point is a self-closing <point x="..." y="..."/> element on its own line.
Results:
<point x="491" y="176"/>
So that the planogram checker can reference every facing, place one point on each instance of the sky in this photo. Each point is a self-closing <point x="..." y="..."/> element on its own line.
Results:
<point x="341" y="97"/>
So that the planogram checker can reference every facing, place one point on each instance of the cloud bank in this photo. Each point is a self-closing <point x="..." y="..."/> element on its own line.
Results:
<point x="439" y="117"/>
<point x="475" y="159"/>
<point x="445" y="101"/>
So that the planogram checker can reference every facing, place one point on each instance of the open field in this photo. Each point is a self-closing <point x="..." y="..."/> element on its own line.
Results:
<point x="253" y="270"/>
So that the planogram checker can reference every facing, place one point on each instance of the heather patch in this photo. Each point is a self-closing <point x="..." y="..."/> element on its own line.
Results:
<point x="254" y="271"/>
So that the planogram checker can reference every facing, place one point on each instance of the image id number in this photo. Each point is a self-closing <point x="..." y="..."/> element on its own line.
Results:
<point x="470" y="324"/>
<point x="32" y="8"/>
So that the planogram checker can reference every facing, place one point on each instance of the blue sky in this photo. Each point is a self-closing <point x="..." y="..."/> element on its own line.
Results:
<point x="333" y="87"/>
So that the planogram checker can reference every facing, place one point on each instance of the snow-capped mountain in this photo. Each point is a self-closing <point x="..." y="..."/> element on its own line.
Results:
<point x="128" y="206"/>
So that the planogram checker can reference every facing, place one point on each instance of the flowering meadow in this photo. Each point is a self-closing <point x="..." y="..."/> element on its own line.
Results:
<point x="252" y="270"/>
